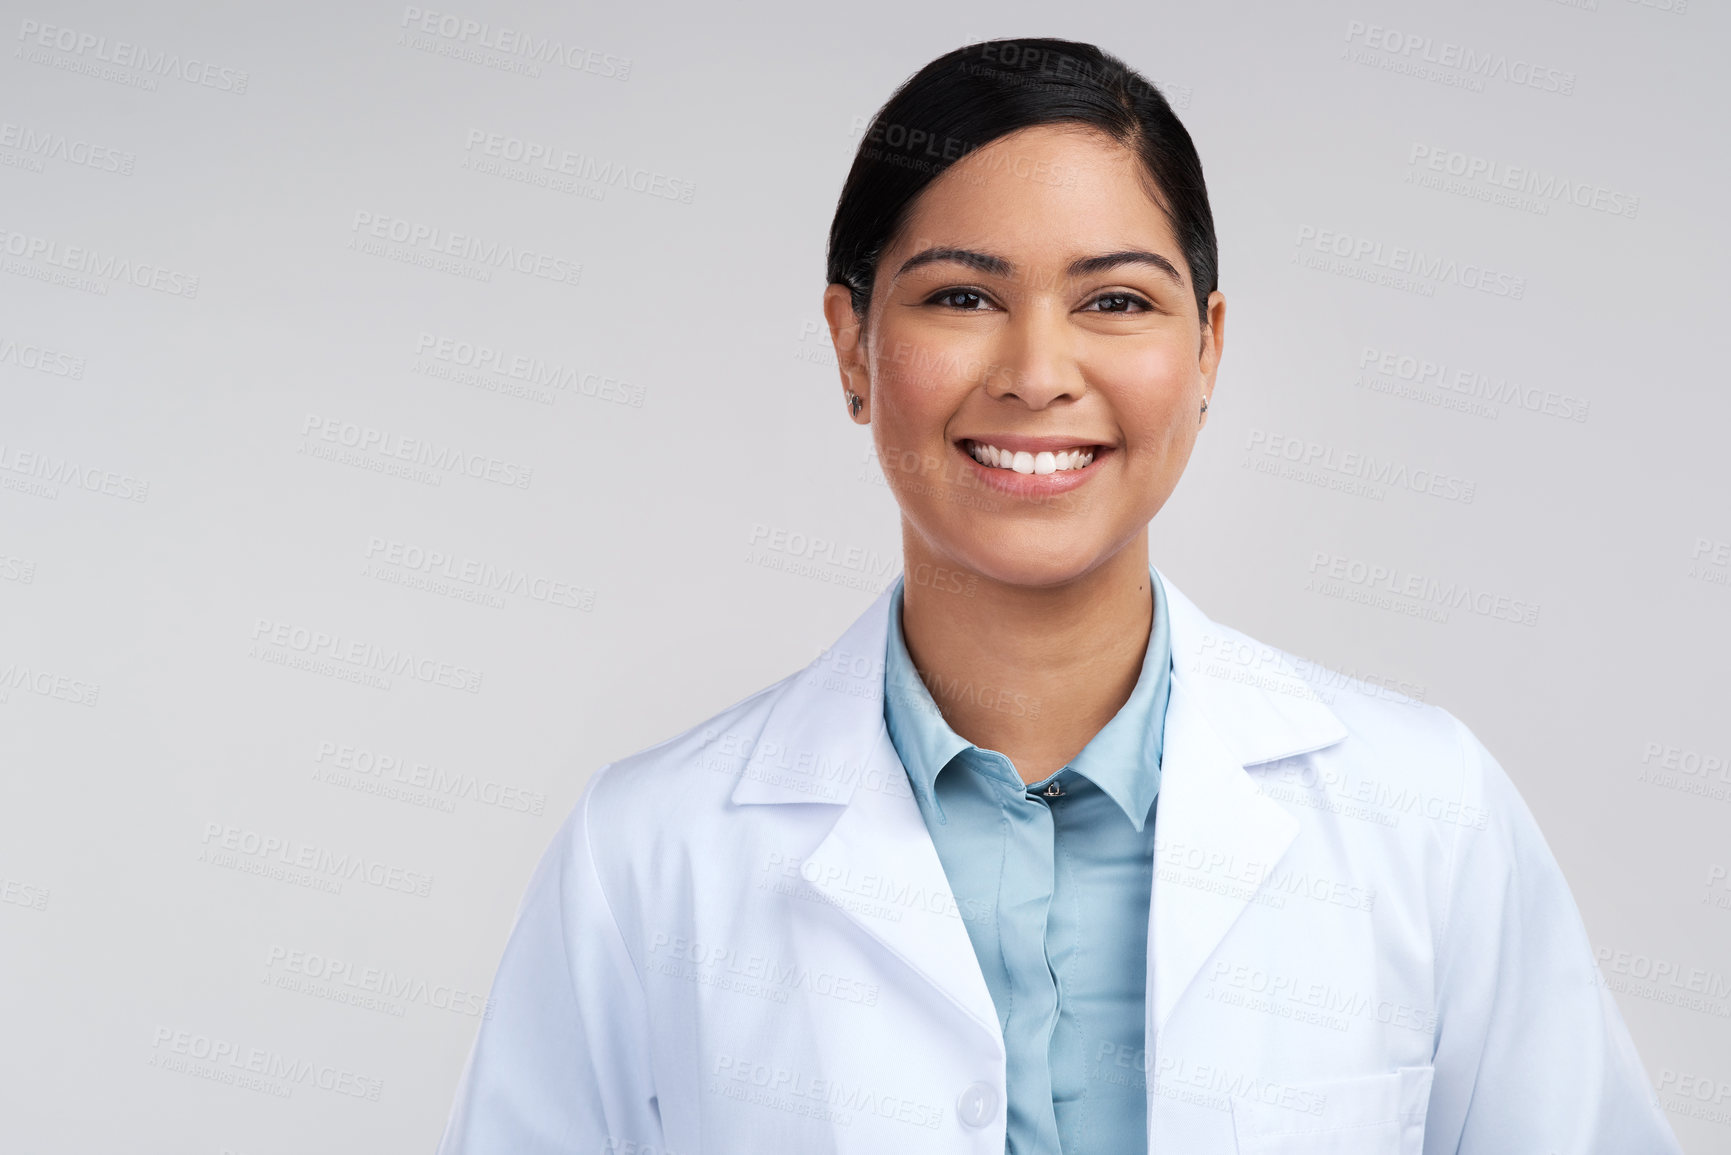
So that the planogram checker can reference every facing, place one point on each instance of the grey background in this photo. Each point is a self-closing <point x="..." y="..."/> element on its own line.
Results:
<point x="145" y="718"/>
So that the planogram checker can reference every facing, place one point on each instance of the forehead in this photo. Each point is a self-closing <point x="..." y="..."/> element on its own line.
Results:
<point x="1051" y="191"/>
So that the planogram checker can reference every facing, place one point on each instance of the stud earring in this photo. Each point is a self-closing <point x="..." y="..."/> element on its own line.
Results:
<point x="1204" y="407"/>
<point x="853" y="403"/>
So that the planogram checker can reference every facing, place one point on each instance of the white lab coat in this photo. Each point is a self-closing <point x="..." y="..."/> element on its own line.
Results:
<point x="742" y="941"/>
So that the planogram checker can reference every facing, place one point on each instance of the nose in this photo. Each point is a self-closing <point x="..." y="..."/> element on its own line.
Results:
<point x="1036" y="360"/>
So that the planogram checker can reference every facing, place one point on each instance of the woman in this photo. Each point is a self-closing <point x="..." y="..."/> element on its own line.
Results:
<point x="1038" y="857"/>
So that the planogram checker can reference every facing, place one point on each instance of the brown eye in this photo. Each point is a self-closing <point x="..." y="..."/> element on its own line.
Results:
<point x="1119" y="303"/>
<point x="964" y="299"/>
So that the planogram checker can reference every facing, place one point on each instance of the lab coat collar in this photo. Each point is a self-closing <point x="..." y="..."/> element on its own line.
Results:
<point x="1234" y="703"/>
<point x="825" y="720"/>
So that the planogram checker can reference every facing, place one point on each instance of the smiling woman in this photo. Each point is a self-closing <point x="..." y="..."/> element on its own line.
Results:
<point x="1039" y="342"/>
<point x="1038" y="857"/>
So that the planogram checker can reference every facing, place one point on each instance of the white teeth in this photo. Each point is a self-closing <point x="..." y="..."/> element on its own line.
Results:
<point x="1024" y="462"/>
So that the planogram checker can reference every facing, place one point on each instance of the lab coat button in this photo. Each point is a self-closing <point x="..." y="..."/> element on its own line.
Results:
<point x="978" y="1105"/>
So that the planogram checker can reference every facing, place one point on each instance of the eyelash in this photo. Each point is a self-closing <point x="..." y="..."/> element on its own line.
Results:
<point x="1134" y="298"/>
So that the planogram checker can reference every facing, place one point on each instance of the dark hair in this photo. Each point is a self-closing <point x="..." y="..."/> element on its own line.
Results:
<point x="970" y="97"/>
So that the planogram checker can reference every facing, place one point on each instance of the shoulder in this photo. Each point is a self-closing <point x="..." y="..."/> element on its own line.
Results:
<point x="684" y="778"/>
<point x="1380" y="717"/>
<point x="665" y="830"/>
<point x="1397" y="761"/>
<point x="1448" y="773"/>
<point x="662" y="816"/>
<point x="1409" y="737"/>
<point x="1410" y="803"/>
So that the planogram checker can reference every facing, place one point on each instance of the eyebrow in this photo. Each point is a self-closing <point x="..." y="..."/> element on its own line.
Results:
<point x="1082" y="267"/>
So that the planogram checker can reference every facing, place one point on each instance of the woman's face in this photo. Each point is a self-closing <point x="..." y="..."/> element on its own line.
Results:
<point x="1031" y="363"/>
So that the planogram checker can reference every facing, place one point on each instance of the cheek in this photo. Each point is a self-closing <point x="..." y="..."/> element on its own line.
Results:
<point x="1154" y="367"/>
<point x="1152" y="390"/>
<point x="918" y="383"/>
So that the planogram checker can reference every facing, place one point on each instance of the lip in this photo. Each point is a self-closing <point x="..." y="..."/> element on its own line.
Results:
<point x="1032" y="485"/>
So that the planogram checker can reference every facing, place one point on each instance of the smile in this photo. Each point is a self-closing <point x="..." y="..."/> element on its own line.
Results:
<point x="1024" y="462"/>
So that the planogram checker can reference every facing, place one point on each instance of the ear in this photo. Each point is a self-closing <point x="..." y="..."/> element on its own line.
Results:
<point x="1213" y="343"/>
<point x="845" y="332"/>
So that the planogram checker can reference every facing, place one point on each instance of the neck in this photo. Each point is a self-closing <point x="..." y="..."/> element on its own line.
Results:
<point x="1059" y="661"/>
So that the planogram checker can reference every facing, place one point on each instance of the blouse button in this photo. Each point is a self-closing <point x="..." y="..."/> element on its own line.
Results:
<point x="978" y="1105"/>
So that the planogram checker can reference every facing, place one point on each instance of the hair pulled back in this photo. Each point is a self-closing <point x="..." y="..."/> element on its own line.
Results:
<point x="966" y="99"/>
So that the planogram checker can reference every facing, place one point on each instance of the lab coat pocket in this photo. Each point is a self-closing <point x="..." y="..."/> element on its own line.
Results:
<point x="1371" y="1115"/>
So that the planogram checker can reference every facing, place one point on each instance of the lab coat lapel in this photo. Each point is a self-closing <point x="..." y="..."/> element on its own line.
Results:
<point x="1213" y="833"/>
<point x="880" y="868"/>
<point x="825" y="741"/>
<point x="1235" y="703"/>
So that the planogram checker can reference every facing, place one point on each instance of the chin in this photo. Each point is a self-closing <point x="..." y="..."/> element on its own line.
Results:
<point x="1033" y="557"/>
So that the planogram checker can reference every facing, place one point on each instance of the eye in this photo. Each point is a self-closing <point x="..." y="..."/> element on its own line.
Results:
<point x="962" y="300"/>
<point x="1118" y="303"/>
